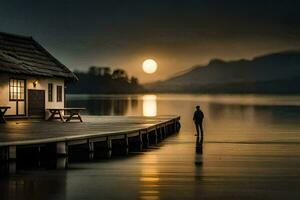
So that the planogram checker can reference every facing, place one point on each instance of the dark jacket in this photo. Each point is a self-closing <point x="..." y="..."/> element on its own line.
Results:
<point x="198" y="116"/>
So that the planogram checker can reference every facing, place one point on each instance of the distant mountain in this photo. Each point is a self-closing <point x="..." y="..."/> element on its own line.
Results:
<point x="273" y="73"/>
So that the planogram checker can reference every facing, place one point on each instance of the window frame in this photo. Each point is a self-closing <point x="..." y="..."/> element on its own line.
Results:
<point x="22" y="89"/>
<point x="50" y="92"/>
<point x="59" y="93"/>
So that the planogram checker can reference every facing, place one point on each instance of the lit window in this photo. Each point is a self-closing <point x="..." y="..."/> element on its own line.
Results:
<point x="16" y="90"/>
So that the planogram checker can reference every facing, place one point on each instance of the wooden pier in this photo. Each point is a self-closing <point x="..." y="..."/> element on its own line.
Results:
<point x="107" y="132"/>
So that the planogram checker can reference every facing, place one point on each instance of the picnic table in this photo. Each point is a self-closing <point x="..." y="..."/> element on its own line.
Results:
<point x="3" y="110"/>
<point x="73" y="113"/>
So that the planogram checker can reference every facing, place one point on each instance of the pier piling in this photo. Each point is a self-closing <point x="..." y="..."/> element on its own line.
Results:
<point x="61" y="149"/>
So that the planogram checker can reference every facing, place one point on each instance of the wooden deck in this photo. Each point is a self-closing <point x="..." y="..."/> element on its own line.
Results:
<point x="22" y="133"/>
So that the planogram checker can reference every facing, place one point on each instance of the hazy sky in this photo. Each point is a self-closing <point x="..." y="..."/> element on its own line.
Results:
<point x="176" y="33"/>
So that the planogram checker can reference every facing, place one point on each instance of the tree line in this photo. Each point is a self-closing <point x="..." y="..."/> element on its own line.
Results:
<point x="104" y="80"/>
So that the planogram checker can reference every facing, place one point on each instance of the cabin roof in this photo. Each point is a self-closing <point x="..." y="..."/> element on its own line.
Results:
<point x="23" y="55"/>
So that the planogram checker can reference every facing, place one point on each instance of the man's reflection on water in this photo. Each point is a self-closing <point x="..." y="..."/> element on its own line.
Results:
<point x="199" y="146"/>
<point x="199" y="151"/>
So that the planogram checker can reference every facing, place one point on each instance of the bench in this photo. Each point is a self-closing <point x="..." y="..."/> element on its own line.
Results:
<point x="3" y="110"/>
<point x="56" y="113"/>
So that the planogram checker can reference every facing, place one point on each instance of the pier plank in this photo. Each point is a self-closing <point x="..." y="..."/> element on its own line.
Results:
<point x="29" y="132"/>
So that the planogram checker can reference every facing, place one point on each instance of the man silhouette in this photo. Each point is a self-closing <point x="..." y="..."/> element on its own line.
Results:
<point x="198" y="119"/>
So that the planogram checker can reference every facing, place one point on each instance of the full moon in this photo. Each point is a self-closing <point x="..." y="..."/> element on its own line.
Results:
<point x="149" y="66"/>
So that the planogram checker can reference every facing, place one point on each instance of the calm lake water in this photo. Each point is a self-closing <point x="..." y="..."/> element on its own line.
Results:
<point x="251" y="150"/>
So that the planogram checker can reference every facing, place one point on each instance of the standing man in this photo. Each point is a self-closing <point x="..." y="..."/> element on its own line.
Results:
<point x="198" y="119"/>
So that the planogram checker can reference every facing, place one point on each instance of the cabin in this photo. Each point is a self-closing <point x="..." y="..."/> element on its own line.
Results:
<point x="31" y="79"/>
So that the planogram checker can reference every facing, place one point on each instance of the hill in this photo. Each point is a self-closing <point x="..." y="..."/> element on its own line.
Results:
<point x="272" y="73"/>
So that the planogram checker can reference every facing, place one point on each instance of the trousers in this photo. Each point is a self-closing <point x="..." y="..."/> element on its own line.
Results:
<point x="199" y="126"/>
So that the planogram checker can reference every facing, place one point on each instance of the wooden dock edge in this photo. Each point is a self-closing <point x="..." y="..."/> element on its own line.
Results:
<point x="151" y="135"/>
